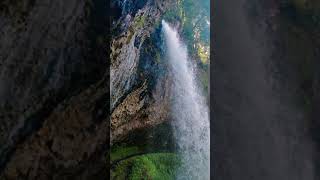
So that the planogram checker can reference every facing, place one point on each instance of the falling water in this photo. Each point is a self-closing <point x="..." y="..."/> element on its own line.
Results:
<point x="189" y="111"/>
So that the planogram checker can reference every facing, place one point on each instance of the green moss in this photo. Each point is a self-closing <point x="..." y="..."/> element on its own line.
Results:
<point x="155" y="166"/>
<point x="158" y="57"/>
<point x="130" y="35"/>
<point x="120" y="152"/>
<point x="203" y="53"/>
<point x="139" y="21"/>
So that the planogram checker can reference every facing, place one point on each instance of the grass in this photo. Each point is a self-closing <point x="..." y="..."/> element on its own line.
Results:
<point x="118" y="153"/>
<point x="156" y="166"/>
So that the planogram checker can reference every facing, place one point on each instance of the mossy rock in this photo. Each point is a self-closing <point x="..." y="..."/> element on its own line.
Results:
<point x="139" y="21"/>
<point x="157" y="166"/>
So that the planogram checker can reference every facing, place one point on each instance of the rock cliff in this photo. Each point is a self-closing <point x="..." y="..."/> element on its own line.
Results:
<point x="139" y="91"/>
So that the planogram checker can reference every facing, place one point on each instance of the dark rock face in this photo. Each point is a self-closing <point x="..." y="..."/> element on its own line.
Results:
<point x="261" y="125"/>
<point x="53" y="89"/>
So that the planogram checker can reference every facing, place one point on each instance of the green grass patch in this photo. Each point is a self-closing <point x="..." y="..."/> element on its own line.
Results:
<point x="156" y="166"/>
<point x="120" y="152"/>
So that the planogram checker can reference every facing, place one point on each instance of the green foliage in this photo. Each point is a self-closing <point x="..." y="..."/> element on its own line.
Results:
<point x="157" y="166"/>
<point x="194" y="16"/>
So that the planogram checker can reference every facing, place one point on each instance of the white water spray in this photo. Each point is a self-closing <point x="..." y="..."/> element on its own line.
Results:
<point x="189" y="112"/>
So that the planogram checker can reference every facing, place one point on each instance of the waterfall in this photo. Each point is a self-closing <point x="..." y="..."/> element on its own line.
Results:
<point x="190" y="114"/>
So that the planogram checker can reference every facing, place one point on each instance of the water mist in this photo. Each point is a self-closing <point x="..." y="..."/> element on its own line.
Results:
<point x="190" y="114"/>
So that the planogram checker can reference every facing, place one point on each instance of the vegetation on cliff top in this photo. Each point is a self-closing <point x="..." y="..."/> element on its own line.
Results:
<point x="194" y="25"/>
<point x="155" y="166"/>
<point x="194" y="16"/>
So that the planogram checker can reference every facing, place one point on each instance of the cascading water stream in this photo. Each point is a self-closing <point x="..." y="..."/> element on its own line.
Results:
<point x="189" y="111"/>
